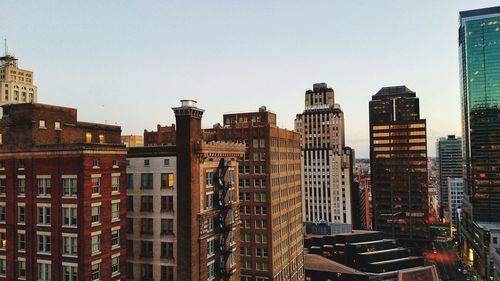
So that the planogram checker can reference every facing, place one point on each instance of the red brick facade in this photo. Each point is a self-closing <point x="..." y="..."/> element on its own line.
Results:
<point x="48" y="159"/>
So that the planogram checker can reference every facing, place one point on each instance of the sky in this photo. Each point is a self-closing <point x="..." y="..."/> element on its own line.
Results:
<point x="130" y="62"/>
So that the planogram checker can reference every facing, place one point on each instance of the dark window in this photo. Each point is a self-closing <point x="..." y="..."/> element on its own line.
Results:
<point x="167" y="273"/>
<point x="167" y="250"/>
<point x="130" y="248"/>
<point x="146" y="272"/>
<point x="167" y="203"/>
<point x="146" y="226"/>
<point x="146" y="181"/>
<point x="130" y="181"/>
<point x="130" y="225"/>
<point x="146" y="203"/>
<point x="130" y="203"/>
<point x="167" y="226"/>
<point x="147" y="249"/>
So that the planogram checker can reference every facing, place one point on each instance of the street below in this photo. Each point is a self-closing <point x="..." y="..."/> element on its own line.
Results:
<point x="445" y="257"/>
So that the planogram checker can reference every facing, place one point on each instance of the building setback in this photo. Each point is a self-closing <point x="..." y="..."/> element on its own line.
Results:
<point x="62" y="196"/>
<point x="270" y="196"/>
<point x="151" y="213"/>
<point x="208" y="221"/>
<point x="449" y="164"/>
<point x="398" y="158"/>
<point x="480" y="93"/>
<point x="326" y="163"/>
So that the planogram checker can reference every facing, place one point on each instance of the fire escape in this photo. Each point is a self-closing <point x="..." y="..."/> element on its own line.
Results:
<point x="224" y="225"/>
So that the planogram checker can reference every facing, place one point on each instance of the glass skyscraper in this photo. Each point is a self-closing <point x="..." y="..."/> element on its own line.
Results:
<point x="479" y="45"/>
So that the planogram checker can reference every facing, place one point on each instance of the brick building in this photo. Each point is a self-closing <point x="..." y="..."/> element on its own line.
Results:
<point x="62" y="196"/>
<point x="164" y="135"/>
<point x="270" y="195"/>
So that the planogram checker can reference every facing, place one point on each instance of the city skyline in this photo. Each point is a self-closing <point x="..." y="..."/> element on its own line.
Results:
<point x="269" y="51"/>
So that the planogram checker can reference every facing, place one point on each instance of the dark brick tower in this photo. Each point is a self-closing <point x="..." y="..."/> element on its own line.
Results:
<point x="188" y="133"/>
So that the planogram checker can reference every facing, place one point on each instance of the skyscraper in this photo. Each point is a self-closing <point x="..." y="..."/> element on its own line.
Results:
<point x="326" y="161"/>
<point x="398" y="158"/>
<point x="270" y="196"/>
<point x="16" y="84"/>
<point x="479" y="49"/>
<point x="449" y="164"/>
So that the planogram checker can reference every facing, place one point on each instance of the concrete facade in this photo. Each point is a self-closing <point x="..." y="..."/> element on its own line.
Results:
<point x="16" y="84"/>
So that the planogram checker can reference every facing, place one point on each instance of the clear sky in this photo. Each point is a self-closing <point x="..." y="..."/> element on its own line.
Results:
<point x="129" y="62"/>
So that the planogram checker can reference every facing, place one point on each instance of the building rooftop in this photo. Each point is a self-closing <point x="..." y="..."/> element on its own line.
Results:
<point x="427" y="273"/>
<point x="393" y="91"/>
<point x="480" y="12"/>
<point x="316" y="262"/>
<point x="489" y="225"/>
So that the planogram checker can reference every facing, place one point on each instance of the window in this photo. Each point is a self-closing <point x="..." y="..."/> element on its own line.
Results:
<point x="147" y="226"/>
<point x="210" y="225"/>
<point x="96" y="186"/>
<point x="210" y="247"/>
<point x="146" y="181"/>
<point x="130" y="203"/>
<point x="211" y="271"/>
<point x="115" y="211"/>
<point x="115" y="163"/>
<point x="22" y="269"/>
<point x="115" y="238"/>
<point x="167" y="203"/>
<point x="2" y="187"/>
<point x="167" y="226"/>
<point x="209" y="201"/>
<point x="166" y="162"/>
<point x="44" y="272"/>
<point x="21" y="187"/>
<point x="44" y="245"/>
<point x="96" y="214"/>
<point x="101" y="138"/>
<point x="115" y="265"/>
<point x="95" y="270"/>
<point x="209" y="178"/>
<point x="21" y="242"/>
<point x="44" y="215"/>
<point x="70" y="273"/>
<point x="167" y="273"/>
<point x="146" y="272"/>
<point x="57" y="125"/>
<point x="130" y="181"/>
<point x="147" y="249"/>
<point x="167" y="250"/>
<point x="69" y="187"/>
<point x="69" y="216"/>
<point x="43" y="186"/>
<point x="231" y="176"/>
<point x="96" y="243"/>
<point x="21" y="215"/>
<point x="70" y="245"/>
<point x="41" y="124"/>
<point x="130" y="225"/>
<point x="146" y="163"/>
<point x="2" y="214"/>
<point x="146" y="203"/>
<point x="167" y="180"/>
<point x="88" y="137"/>
<point x="115" y="183"/>
<point x="130" y="248"/>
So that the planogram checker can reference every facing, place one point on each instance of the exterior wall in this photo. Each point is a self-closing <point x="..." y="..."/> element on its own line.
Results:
<point x="269" y="179"/>
<point x="162" y="162"/>
<point x="449" y="163"/>
<point x="455" y="196"/>
<point x="16" y="84"/>
<point x="327" y="170"/>
<point x="162" y="136"/>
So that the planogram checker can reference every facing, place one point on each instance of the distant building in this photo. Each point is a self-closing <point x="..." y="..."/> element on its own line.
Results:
<point x="479" y="51"/>
<point x="270" y="195"/>
<point x="62" y="196"/>
<point x="162" y="136"/>
<point x="16" y="84"/>
<point x="365" y="207"/>
<point x="449" y="164"/>
<point x="327" y="163"/>
<point x="398" y="158"/>
<point x="133" y="140"/>
<point x="455" y="196"/>
<point x="151" y="213"/>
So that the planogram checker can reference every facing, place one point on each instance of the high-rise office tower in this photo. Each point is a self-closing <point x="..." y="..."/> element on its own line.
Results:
<point x="326" y="161"/>
<point x="398" y="158"/>
<point x="449" y="164"/>
<point x="62" y="196"/>
<point x="270" y="196"/>
<point x="208" y="221"/>
<point x="16" y="84"/>
<point x="479" y="49"/>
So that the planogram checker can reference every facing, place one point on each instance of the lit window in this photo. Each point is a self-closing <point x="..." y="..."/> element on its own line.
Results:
<point x="57" y="125"/>
<point x="42" y="124"/>
<point x="101" y="138"/>
<point x="88" y="137"/>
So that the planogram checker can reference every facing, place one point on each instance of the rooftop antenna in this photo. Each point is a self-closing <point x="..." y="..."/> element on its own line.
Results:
<point x="6" y="46"/>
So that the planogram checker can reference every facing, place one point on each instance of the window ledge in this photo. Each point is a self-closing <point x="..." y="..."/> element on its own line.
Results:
<point x="114" y="274"/>
<point x="69" y="226"/>
<point x="69" y="197"/>
<point x="69" y="256"/>
<point x="115" y="220"/>
<point x="94" y="224"/>
<point x="96" y="195"/>
<point x="115" y="247"/>
<point x="43" y="253"/>
<point x="116" y="166"/>
<point x="95" y="167"/>
<point x="96" y="253"/>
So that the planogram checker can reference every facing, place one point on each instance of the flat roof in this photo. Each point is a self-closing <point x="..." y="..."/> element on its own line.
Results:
<point x="480" y="12"/>
<point x="317" y="262"/>
<point x="489" y="225"/>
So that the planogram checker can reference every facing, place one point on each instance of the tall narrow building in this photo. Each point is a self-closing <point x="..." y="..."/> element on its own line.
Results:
<point x="16" y="84"/>
<point x="326" y="161"/>
<point x="270" y="196"/>
<point x="398" y="158"/>
<point x="62" y="196"/>
<point x="479" y="49"/>
<point x="449" y="164"/>
<point x="208" y="221"/>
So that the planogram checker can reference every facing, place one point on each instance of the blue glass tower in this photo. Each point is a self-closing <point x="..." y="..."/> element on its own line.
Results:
<point x="479" y="45"/>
